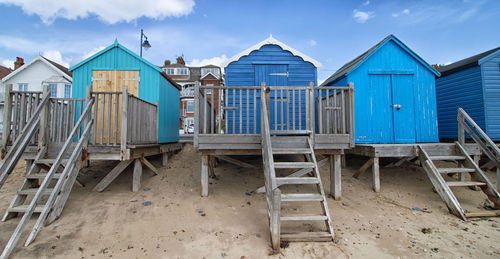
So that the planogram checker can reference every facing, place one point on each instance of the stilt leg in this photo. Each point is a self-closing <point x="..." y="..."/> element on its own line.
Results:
<point x="275" y="219"/>
<point x="204" y="175"/>
<point x="136" y="183"/>
<point x="335" y="177"/>
<point x="498" y="179"/>
<point x="376" y="175"/>
<point x="164" y="159"/>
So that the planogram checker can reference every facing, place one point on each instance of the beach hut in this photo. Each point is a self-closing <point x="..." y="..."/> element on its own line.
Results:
<point x="474" y="85"/>
<point x="276" y="64"/>
<point x="395" y="98"/>
<point x="116" y="66"/>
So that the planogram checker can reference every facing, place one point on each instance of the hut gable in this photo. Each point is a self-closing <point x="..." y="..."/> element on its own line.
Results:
<point x="395" y="99"/>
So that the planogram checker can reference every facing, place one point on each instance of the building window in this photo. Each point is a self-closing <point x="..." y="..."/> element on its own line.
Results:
<point x="190" y="106"/>
<point x="213" y="70"/>
<point x="53" y="90"/>
<point x="182" y="71"/>
<point x="22" y="87"/>
<point x="170" y="71"/>
<point x="209" y="91"/>
<point x="67" y="91"/>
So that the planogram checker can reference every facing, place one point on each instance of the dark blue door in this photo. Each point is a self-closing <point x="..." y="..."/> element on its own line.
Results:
<point x="274" y="75"/>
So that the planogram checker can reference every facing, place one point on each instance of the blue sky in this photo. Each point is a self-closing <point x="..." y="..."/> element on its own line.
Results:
<point x="332" y="32"/>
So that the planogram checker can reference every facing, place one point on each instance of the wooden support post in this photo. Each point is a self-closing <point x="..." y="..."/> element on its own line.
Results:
<point x="363" y="168"/>
<point x="149" y="165"/>
<point x="7" y="111"/>
<point x="136" y="183"/>
<point x="275" y="219"/>
<point x="164" y="159"/>
<point x="343" y="162"/>
<point x="44" y="118"/>
<point x="123" y="138"/>
<point x="376" y="175"/>
<point x="212" y="161"/>
<point x="335" y="177"/>
<point x="106" y="181"/>
<point x="88" y="97"/>
<point x="498" y="179"/>
<point x="204" y="175"/>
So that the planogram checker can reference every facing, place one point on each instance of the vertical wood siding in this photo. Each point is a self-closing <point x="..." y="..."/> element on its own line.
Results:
<point x="491" y="85"/>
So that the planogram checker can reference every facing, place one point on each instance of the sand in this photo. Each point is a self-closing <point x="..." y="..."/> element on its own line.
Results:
<point x="231" y="224"/>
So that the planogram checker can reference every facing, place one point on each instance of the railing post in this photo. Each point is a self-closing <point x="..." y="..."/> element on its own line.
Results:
<point x="461" y="128"/>
<point x="196" y="114"/>
<point x="351" y="113"/>
<point x="312" y="111"/>
<point x="44" y="118"/>
<point x="265" y="95"/>
<point x="88" y="97"/>
<point x="156" y="130"/>
<point x="123" y="139"/>
<point x="7" y="113"/>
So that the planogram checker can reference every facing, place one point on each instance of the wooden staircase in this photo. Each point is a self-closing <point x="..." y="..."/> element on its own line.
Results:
<point x="45" y="192"/>
<point x="307" y="174"/>
<point x="466" y="165"/>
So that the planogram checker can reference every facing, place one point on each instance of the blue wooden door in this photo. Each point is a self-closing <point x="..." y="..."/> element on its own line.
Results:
<point x="378" y="117"/>
<point x="274" y="75"/>
<point x="402" y="108"/>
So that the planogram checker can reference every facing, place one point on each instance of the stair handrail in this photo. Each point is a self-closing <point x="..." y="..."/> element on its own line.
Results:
<point x="486" y="144"/>
<point x="31" y="207"/>
<point x="17" y="148"/>
<point x="266" y="140"/>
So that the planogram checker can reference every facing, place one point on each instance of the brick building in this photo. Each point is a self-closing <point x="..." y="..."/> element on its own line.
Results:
<point x="188" y="77"/>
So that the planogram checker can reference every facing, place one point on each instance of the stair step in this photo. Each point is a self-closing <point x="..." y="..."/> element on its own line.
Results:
<point x="306" y="236"/>
<point x="302" y="197"/>
<point x="291" y="151"/>
<point x="304" y="218"/>
<point x="293" y="165"/>
<point x="50" y="161"/>
<point x="465" y="183"/>
<point x="447" y="158"/>
<point x="23" y="208"/>
<point x="42" y="176"/>
<point x="456" y="170"/>
<point x="297" y="180"/>
<point x="32" y="191"/>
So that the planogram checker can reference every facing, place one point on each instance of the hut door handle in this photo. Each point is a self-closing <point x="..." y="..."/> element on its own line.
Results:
<point x="397" y="106"/>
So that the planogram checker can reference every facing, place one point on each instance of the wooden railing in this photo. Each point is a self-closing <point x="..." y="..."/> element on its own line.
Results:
<point x="292" y="110"/>
<point x="63" y="114"/>
<point x="335" y="109"/>
<point x="142" y="125"/>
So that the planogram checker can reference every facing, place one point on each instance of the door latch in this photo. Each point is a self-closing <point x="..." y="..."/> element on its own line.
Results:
<point x="397" y="106"/>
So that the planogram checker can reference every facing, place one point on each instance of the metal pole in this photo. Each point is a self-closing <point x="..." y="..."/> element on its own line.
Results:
<point x="141" y="41"/>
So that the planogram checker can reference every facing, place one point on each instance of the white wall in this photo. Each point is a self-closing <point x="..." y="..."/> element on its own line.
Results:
<point x="34" y="75"/>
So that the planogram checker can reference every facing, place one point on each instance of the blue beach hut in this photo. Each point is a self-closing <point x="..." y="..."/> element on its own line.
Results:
<point x="474" y="85"/>
<point x="276" y="64"/>
<point x="395" y="95"/>
<point x="115" y="66"/>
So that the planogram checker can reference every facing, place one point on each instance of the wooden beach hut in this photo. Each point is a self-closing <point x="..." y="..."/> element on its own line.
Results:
<point x="474" y="85"/>
<point x="395" y="98"/>
<point x="116" y="66"/>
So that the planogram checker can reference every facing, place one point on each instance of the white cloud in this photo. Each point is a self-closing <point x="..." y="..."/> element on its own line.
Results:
<point x="106" y="10"/>
<point x="86" y="55"/>
<point x="366" y="3"/>
<point x="447" y="63"/>
<point x="362" y="17"/>
<point x="405" y="11"/>
<point x="7" y="63"/>
<point x="57" y="57"/>
<point x="218" y="61"/>
<point x="312" y="43"/>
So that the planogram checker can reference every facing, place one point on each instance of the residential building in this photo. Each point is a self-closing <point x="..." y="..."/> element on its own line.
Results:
<point x="31" y="76"/>
<point x="187" y="77"/>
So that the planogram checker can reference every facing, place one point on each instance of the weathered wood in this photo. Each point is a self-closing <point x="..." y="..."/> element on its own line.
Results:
<point x="204" y="175"/>
<point x="124" y="126"/>
<point x="136" y="182"/>
<point x="7" y="113"/>
<point x="235" y="161"/>
<point x="164" y="159"/>
<point x="335" y="177"/>
<point x="149" y="165"/>
<point x="111" y="176"/>
<point x="376" y="174"/>
<point x="493" y="213"/>
<point x="363" y="168"/>
<point x="275" y="219"/>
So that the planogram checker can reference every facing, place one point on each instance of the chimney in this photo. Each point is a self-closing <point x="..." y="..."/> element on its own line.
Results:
<point x="166" y="63"/>
<point x="180" y="60"/>
<point x="19" y="62"/>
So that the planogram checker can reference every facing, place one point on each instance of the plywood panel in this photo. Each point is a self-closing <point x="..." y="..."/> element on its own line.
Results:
<point x="108" y="115"/>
